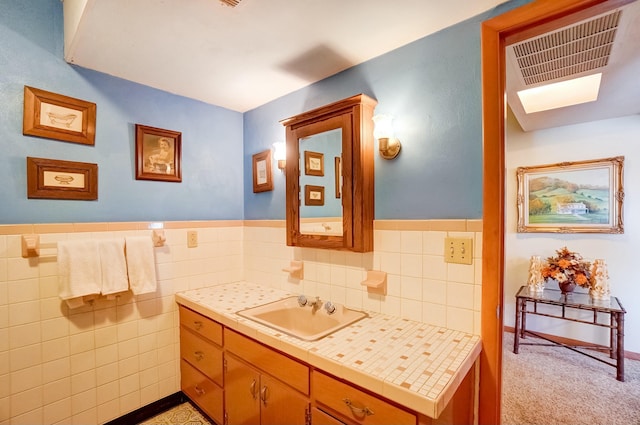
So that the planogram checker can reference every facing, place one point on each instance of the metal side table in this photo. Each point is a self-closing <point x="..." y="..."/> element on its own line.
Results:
<point x="528" y="302"/>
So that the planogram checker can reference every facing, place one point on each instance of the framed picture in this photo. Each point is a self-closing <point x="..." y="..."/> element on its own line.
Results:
<point x="262" y="179"/>
<point x="313" y="163"/>
<point x="338" y="176"/>
<point x="55" y="179"/>
<point x="314" y="195"/>
<point x="571" y="197"/>
<point x="158" y="154"/>
<point x="58" y="117"/>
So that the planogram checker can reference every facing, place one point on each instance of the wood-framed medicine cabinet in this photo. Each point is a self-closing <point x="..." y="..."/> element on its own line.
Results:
<point x="340" y="138"/>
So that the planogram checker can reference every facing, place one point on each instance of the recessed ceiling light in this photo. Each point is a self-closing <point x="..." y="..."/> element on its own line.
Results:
<point x="559" y="95"/>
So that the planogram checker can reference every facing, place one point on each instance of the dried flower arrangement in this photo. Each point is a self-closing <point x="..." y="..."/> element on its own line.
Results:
<point x="568" y="268"/>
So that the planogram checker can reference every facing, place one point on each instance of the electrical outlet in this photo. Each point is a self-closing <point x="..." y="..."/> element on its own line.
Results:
<point x="458" y="250"/>
<point x="192" y="239"/>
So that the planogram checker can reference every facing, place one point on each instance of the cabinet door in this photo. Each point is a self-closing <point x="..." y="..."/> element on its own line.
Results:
<point x="242" y="393"/>
<point x="281" y="404"/>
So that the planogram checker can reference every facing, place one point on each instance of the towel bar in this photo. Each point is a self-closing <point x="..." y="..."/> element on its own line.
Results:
<point x="31" y="245"/>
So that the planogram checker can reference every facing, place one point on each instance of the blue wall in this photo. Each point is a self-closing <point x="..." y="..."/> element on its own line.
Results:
<point x="31" y="53"/>
<point x="432" y="87"/>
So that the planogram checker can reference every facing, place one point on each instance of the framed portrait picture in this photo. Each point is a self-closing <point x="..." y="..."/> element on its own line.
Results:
<point x="262" y="178"/>
<point x="54" y="116"/>
<point x="158" y="154"/>
<point x="571" y="197"/>
<point x="313" y="163"/>
<point x="314" y="195"/>
<point x="55" y="179"/>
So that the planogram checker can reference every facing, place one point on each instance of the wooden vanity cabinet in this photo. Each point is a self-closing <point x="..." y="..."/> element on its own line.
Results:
<point x="237" y="380"/>
<point x="201" y="363"/>
<point x="263" y="386"/>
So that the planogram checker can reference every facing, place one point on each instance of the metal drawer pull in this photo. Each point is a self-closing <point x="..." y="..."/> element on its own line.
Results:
<point x="252" y="389"/>
<point x="197" y="324"/>
<point x="199" y="391"/>
<point x="365" y="411"/>
<point x="199" y="355"/>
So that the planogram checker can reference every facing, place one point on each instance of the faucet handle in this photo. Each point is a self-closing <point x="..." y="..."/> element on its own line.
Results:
<point x="330" y="307"/>
<point x="302" y="300"/>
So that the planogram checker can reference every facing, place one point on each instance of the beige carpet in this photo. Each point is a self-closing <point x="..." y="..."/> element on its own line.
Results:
<point x="183" y="414"/>
<point x="553" y="385"/>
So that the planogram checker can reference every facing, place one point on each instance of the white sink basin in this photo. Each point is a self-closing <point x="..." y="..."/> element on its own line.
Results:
<point x="306" y="322"/>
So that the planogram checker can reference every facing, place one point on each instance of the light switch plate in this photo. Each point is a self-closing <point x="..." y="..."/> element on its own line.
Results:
<point x="458" y="250"/>
<point x="192" y="239"/>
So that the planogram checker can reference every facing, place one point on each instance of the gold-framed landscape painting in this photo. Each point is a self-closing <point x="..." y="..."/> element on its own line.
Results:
<point x="572" y="197"/>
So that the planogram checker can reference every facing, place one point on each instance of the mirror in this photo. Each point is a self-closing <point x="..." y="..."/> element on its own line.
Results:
<point x="329" y="174"/>
<point x="321" y="183"/>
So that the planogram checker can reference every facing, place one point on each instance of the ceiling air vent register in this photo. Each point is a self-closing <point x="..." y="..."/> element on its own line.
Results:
<point x="567" y="52"/>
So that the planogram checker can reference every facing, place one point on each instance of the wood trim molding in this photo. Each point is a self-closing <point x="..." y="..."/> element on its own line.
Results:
<point x="495" y="33"/>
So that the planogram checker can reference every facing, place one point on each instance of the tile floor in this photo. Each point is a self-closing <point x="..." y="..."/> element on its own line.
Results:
<point x="183" y="414"/>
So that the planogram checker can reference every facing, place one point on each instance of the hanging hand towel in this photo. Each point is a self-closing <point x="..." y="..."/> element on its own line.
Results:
<point x="113" y="265"/>
<point x="78" y="270"/>
<point x="140" y="264"/>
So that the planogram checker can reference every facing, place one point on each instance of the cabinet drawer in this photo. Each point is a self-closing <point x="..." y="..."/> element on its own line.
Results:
<point x="202" y="391"/>
<point x="202" y="354"/>
<point x="318" y="417"/>
<point x="352" y="403"/>
<point x="201" y="325"/>
<point x="275" y="364"/>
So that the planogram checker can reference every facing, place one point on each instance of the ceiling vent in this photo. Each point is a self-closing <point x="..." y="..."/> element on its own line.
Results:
<point x="567" y="52"/>
<point x="230" y="3"/>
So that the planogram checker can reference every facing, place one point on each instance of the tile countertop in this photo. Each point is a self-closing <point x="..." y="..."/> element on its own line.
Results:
<point x="414" y="364"/>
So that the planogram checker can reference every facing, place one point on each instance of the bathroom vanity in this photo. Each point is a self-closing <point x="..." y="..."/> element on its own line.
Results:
<point x="378" y="370"/>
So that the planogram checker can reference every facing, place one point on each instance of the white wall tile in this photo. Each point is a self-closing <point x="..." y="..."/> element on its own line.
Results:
<point x="411" y="242"/>
<point x="56" y="390"/>
<point x="57" y="412"/>
<point x="27" y="401"/>
<point x="411" y="288"/>
<point x="23" y="290"/>
<point x="24" y="357"/>
<point x="433" y="243"/>
<point x="434" y="267"/>
<point x="460" y="295"/>
<point x="460" y="319"/>
<point x="56" y="370"/>
<point x="411" y="309"/>
<point x="434" y="291"/>
<point x="411" y="265"/>
<point x="26" y="379"/>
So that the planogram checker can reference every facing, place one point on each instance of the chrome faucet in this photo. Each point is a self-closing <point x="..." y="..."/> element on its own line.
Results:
<point x="316" y="304"/>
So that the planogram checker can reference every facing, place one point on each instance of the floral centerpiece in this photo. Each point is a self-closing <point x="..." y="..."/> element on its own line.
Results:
<point x="568" y="269"/>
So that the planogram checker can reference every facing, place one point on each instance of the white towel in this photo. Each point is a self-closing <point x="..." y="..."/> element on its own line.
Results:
<point x="78" y="270"/>
<point x="113" y="265"/>
<point x="140" y="264"/>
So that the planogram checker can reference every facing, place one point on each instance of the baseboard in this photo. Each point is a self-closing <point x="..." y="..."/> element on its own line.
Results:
<point x="568" y="341"/>
<point x="150" y="410"/>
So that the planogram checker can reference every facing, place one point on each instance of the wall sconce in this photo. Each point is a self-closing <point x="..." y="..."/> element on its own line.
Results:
<point x="280" y="154"/>
<point x="388" y="145"/>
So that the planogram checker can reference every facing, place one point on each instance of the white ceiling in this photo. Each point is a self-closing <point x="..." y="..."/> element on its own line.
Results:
<point x="619" y="90"/>
<point x="245" y="56"/>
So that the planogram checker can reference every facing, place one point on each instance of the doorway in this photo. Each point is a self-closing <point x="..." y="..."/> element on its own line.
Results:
<point x="534" y="18"/>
